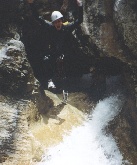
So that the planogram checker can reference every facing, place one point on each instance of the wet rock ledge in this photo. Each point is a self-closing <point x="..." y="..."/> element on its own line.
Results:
<point x="21" y="101"/>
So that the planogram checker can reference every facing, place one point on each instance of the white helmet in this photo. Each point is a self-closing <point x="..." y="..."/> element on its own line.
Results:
<point x="56" y="15"/>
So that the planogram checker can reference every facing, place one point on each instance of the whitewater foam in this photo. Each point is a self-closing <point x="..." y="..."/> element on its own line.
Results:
<point x="89" y="144"/>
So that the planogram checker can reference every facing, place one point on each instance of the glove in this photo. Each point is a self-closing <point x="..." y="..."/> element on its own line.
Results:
<point x="46" y="57"/>
<point x="61" y="57"/>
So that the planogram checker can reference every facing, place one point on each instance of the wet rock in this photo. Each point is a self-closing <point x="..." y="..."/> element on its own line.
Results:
<point x="99" y="25"/>
<point x="21" y="102"/>
<point x="125" y="17"/>
<point x="15" y="72"/>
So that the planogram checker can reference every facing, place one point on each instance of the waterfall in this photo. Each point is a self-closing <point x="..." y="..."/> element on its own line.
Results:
<point x="89" y="144"/>
<point x="3" y="55"/>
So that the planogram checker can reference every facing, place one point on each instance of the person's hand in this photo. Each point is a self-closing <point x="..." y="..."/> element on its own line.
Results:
<point x="30" y="1"/>
<point x="79" y="2"/>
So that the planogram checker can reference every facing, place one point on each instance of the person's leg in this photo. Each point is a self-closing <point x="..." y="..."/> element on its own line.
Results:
<point x="49" y="69"/>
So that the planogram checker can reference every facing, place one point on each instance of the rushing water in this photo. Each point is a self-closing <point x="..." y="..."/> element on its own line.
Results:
<point x="89" y="144"/>
<point x="3" y="55"/>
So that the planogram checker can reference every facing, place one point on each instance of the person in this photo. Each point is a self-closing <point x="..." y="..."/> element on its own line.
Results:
<point x="57" y="59"/>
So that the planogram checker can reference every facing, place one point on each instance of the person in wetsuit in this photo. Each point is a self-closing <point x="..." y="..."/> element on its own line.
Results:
<point x="59" y="44"/>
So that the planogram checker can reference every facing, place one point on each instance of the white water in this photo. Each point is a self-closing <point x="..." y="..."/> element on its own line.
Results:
<point x="3" y="54"/>
<point x="89" y="144"/>
<point x="12" y="44"/>
<point x="117" y="3"/>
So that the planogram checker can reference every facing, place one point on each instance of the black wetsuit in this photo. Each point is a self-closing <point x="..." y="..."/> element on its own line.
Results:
<point x="59" y="40"/>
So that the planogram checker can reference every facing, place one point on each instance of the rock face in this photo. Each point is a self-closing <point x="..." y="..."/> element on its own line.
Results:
<point x="21" y="101"/>
<point x="13" y="66"/>
<point x="127" y="23"/>
<point x="108" y="35"/>
<point x="99" y="25"/>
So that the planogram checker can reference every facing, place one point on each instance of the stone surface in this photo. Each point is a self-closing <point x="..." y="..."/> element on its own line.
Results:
<point x="15" y="72"/>
<point x="21" y="101"/>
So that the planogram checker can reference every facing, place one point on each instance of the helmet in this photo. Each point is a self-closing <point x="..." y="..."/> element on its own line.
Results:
<point x="56" y="15"/>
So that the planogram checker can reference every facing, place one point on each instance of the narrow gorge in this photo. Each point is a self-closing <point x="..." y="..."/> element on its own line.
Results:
<point x="98" y="125"/>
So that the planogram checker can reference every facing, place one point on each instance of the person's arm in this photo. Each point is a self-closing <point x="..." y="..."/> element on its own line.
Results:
<point x="73" y="25"/>
<point x="36" y="15"/>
